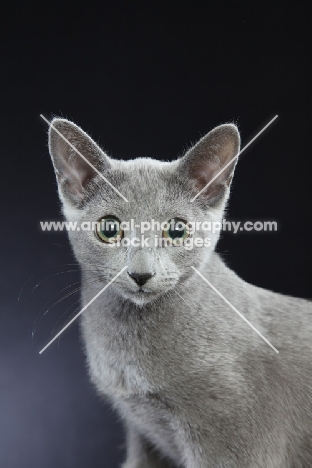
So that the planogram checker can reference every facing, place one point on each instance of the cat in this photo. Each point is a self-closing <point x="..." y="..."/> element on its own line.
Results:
<point x="195" y="386"/>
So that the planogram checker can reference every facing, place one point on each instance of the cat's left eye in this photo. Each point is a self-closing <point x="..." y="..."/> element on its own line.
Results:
<point x="176" y="230"/>
<point x="108" y="229"/>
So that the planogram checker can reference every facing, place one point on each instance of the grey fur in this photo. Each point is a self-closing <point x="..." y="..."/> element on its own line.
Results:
<point x="194" y="384"/>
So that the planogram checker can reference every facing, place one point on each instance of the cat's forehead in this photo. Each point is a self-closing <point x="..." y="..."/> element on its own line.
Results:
<point x="144" y="163"/>
<point x="148" y="178"/>
<point x="152" y="187"/>
<point x="144" y="170"/>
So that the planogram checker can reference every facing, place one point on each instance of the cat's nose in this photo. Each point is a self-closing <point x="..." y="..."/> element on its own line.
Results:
<point x="140" y="278"/>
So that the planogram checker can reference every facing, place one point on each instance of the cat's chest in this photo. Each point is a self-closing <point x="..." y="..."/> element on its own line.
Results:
<point x="127" y="358"/>
<point x="120" y="369"/>
<point x="124" y="376"/>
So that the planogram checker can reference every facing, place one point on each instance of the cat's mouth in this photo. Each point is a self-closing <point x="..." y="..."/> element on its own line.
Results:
<point x="141" y="295"/>
<point x="144" y="292"/>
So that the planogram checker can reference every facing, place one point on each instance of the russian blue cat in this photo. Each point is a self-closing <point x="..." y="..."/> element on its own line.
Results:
<point x="194" y="384"/>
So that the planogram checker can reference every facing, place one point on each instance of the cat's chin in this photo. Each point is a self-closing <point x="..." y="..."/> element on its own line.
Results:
<point x="141" y="298"/>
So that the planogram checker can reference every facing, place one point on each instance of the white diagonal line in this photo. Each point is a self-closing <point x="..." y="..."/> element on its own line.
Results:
<point x="182" y="298"/>
<point x="235" y="310"/>
<point x="82" y="156"/>
<point x="235" y="157"/>
<point x="83" y="309"/>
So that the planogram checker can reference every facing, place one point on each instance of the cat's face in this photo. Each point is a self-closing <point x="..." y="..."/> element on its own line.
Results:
<point x="158" y="214"/>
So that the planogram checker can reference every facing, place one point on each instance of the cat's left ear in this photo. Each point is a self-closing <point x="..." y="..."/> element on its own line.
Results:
<point x="204" y="161"/>
<point x="75" y="157"/>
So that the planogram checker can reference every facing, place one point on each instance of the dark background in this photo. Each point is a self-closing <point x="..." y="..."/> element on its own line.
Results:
<point x="144" y="81"/>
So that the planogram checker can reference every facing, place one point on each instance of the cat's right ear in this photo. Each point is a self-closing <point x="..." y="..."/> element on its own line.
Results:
<point x="75" y="157"/>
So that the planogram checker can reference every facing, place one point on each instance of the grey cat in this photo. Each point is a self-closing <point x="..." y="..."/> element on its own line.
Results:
<point x="194" y="384"/>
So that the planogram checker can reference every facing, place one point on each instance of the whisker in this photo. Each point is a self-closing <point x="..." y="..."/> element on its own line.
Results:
<point x="181" y="297"/>
<point x="23" y="287"/>
<point x="51" y="276"/>
<point x="55" y="303"/>
<point x="69" y="319"/>
<point x="63" y="289"/>
<point x="46" y="303"/>
<point x="74" y="291"/>
<point x="92" y="269"/>
<point x="68" y="308"/>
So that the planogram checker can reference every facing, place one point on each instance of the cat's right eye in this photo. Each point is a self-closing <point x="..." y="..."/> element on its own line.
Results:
<point x="108" y="229"/>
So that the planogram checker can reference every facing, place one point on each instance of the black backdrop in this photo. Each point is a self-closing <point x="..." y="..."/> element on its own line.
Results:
<point x="144" y="81"/>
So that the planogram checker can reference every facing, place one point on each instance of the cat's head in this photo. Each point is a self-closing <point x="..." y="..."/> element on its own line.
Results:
<point x="94" y="187"/>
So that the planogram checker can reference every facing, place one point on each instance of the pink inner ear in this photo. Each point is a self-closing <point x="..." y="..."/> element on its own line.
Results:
<point x="203" y="175"/>
<point x="77" y="173"/>
<point x="206" y="163"/>
<point x="73" y="170"/>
